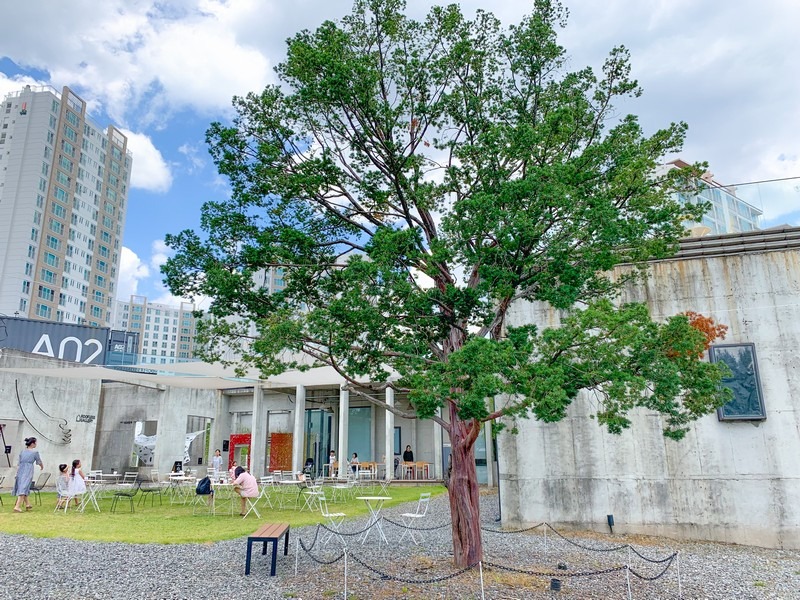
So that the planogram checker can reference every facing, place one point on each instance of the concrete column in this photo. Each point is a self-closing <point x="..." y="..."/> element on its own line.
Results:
<point x="490" y="474"/>
<point x="220" y="426"/>
<point x="388" y="447"/>
<point x="258" y="434"/>
<point x="438" y="439"/>
<point x="299" y="428"/>
<point x="344" y="425"/>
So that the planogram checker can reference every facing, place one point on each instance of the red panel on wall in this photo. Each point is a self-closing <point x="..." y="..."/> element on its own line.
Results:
<point x="238" y="439"/>
<point x="280" y="453"/>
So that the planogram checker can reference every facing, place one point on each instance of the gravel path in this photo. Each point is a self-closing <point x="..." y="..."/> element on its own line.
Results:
<point x="66" y="569"/>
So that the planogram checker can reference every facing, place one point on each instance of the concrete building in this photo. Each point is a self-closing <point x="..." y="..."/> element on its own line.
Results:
<point x="166" y="332"/>
<point x="728" y="212"/>
<point x="63" y="194"/>
<point x="735" y="477"/>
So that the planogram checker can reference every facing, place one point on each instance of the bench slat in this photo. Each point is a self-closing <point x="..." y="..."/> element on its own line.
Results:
<point x="270" y="530"/>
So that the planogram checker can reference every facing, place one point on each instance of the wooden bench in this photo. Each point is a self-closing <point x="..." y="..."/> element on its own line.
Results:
<point x="271" y="532"/>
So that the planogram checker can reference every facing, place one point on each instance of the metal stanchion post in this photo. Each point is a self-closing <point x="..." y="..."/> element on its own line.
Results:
<point x="345" y="574"/>
<point x="545" y="538"/>
<point x="628" y="572"/>
<point x="296" y="554"/>
<point x="678" y="566"/>
<point x="480" y="568"/>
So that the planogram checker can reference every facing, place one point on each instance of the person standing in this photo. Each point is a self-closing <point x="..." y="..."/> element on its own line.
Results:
<point x="216" y="461"/>
<point x="331" y="464"/>
<point x="77" y="481"/>
<point x="62" y="486"/>
<point x="408" y="455"/>
<point x="24" y="479"/>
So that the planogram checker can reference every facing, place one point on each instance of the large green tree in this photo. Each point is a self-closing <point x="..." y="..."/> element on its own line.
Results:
<point x="413" y="179"/>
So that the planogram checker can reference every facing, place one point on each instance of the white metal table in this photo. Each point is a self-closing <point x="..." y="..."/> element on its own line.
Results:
<point x="374" y="504"/>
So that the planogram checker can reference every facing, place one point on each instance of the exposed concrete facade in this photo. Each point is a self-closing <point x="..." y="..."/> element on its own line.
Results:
<point x="61" y="413"/>
<point x="726" y="481"/>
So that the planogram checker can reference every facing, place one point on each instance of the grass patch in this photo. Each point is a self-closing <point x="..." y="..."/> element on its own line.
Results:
<point x="171" y="523"/>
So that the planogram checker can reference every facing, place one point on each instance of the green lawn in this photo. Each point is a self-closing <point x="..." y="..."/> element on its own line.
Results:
<point x="169" y="523"/>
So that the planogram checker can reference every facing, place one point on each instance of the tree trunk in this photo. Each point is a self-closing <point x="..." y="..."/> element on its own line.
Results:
<point x="464" y="493"/>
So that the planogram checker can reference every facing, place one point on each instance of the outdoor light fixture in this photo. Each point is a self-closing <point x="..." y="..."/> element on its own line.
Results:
<point x="610" y="519"/>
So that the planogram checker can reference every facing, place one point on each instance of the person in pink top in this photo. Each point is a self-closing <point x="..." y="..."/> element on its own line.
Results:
<point x="245" y="485"/>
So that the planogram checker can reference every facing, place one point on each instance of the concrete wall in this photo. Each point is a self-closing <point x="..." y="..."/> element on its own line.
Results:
<point x="63" y="416"/>
<point x="125" y="404"/>
<point x="727" y="481"/>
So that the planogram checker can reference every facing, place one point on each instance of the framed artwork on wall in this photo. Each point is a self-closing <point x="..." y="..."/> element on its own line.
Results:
<point x="747" y="403"/>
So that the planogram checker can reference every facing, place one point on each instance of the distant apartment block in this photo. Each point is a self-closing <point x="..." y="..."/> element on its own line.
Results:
<point x="63" y="194"/>
<point x="270" y="279"/>
<point x="728" y="212"/>
<point x="166" y="332"/>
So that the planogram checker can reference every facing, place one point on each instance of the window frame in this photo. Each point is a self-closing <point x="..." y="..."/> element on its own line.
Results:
<point x="723" y="414"/>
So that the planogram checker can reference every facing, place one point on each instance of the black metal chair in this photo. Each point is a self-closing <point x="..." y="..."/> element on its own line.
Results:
<point x="129" y="494"/>
<point x="153" y="488"/>
<point x="38" y="486"/>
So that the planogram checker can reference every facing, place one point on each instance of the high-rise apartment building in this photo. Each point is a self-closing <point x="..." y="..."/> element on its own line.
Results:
<point x="728" y="212"/>
<point x="63" y="194"/>
<point x="166" y="332"/>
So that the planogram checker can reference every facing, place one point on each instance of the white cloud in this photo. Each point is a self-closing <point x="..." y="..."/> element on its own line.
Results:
<point x="160" y="254"/>
<point x="150" y="171"/>
<point x="131" y="271"/>
<point x="16" y="83"/>
<point x="730" y="74"/>
<point x="192" y="154"/>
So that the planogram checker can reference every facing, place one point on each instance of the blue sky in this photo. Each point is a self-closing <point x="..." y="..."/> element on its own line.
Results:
<point x="164" y="71"/>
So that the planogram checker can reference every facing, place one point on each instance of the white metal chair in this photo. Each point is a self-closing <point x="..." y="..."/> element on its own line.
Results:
<point x="267" y="484"/>
<point x="411" y="519"/>
<point x="130" y="477"/>
<point x="251" y="507"/>
<point x="334" y="519"/>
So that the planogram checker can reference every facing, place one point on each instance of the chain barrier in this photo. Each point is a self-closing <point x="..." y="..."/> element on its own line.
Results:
<point x="495" y="530"/>
<point x="319" y="561"/>
<point x="585" y="547"/>
<point x="331" y="530"/>
<point x="313" y="543"/>
<point x="659" y="576"/>
<point x="388" y="577"/>
<point x="652" y="560"/>
<point x="403" y="526"/>
<point x="559" y="574"/>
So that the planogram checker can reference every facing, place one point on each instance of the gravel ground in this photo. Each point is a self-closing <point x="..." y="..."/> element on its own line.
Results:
<point x="67" y="569"/>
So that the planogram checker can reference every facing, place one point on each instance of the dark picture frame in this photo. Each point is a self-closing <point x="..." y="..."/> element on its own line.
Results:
<point x="744" y="382"/>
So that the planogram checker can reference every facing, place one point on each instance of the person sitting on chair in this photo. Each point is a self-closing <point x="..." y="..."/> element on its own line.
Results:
<point x="246" y="486"/>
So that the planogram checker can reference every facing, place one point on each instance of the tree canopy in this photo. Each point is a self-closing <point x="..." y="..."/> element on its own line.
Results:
<point x="410" y="180"/>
